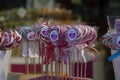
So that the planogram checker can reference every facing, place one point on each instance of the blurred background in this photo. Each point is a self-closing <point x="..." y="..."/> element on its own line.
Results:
<point x="92" y="12"/>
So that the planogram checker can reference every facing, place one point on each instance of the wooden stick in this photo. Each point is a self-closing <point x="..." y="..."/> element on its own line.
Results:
<point x="31" y="63"/>
<point x="34" y="65"/>
<point x="56" y="69"/>
<point x="81" y="70"/>
<point x="62" y="74"/>
<point x="66" y="70"/>
<point x="51" y="70"/>
<point x="77" y="69"/>
<point x="46" y="63"/>
<point x="42" y="71"/>
<point x="25" y="65"/>
<point x="85" y="70"/>
<point x="70" y="67"/>
<point x="27" y="58"/>
<point x="40" y="52"/>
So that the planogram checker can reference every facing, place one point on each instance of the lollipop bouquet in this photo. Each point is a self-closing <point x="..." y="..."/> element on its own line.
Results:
<point x="58" y="48"/>
<point x="112" y="40"/>
<point x="8" y="39"/>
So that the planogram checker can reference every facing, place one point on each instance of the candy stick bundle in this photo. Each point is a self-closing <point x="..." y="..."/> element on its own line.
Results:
<point x="9" y="39"/>
<point x="30" y="45"/>
<point x="59" y="47"/>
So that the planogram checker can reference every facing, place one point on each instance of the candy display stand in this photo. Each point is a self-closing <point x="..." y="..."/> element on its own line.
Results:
<point x="59" y="78"/>
<point x="4" y="63"/>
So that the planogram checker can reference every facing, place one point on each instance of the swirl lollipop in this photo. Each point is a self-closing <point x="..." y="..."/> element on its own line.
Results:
<point x="43" y="33"/>
<point x="2" y="37"/>
<point x="109" y="41"/>
<point x="8" y="41"/>
<point x="57" y="38"/>
<point x="18" y="38"/>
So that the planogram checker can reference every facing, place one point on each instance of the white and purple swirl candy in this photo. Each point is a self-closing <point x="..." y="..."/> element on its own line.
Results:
<point x="73" y="34"/>
<point x="105" y="38"/>
<point x="109" y="41"/>
<point x="8" y="41"/>
<point x="57" y="35"/>
<point x="85" y="35"/>
<point x="54" y="34"/>
<point x="29" y="34"/>
<point x="92" y="35"/>
<point x="44" y="33"/>
<point x="117" y="25"/>
<point x="17" y="39"/>
<point x="37" y="28"/>
<point x="21" y="29"/>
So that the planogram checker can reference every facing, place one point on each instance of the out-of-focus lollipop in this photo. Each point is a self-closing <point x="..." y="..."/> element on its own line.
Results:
<point x="109" y="41"/>
<point x="2" y="37"/>
<point x="18" y="38"/>
<point x="29" y="34"/>
<point x="73" y="34"/>
<point x="57" y="36"/>
<point x="92" y="36"/>
<point x="115" y="41"/>
<point x="8" y="41"/>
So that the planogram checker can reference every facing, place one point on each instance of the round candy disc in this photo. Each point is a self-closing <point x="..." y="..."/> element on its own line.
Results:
<point x="44" y="31"/>
<point x="54" y="35"/>
<point x="72" y="34"/>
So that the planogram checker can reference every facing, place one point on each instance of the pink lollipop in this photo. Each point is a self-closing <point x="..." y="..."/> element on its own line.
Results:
<point x="57" y="35"/>
<point x="8" y="41"/>
<point x="28" y="33"/>
<point x="72" y="35"/>
<point x="108" y="41"/>
<point x="92" y="36"/>
<point x="17" y="39"/>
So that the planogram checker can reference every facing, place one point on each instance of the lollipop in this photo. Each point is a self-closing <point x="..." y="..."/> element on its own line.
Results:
<point x="18" y="38"/>
<point x="29" y="34"/>
<point x="109" y="41"/>
<point x="2" y="37"/>
<point x="73" y="34"/>
<point x="43" y="35"/>
<point x="57" y="37"/>
<point x="8" y="41"/>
